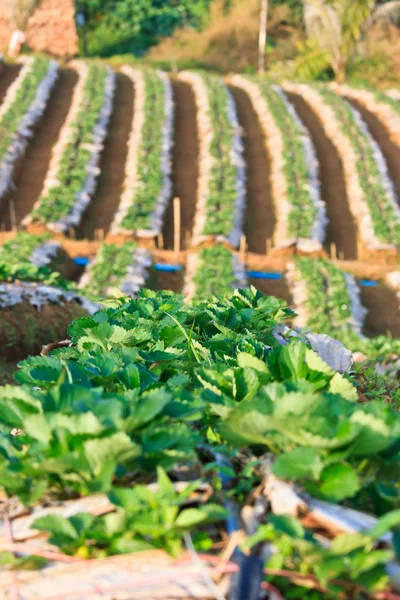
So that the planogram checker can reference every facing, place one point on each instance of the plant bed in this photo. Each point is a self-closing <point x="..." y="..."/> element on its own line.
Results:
<point x="221" y="184"/>
<point x="147" y="186"/>
<point x="299" y="211"/>
<point x="369" y="188"/>
<point x="20" y="112"/>
<point x="164" y="427"/>
<point x="72" y="177"/>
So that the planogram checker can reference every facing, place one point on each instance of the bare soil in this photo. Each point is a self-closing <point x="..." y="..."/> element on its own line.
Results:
<point x="162" y="280"/>
<point x="273" y="287"/>
<point x="7" y="76"/>
<point x="101" y="210"/>
<point x="380" y="134"/>
<point x="341" y="229"/>
<point x="184" y="164"/>
<point x="383" y="315"/>
<point x="24" y="329"/>
<point x="35" y="164"/>
<point x="260" y="214"/>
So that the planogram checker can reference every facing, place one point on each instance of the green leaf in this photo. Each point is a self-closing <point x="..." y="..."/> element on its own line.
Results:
<point x="339" y="481"/>
<point x="56" y="525"/>
<point x="247" y="360"/>
<point x="298" y="463"/>
<point x="386" y="523"/>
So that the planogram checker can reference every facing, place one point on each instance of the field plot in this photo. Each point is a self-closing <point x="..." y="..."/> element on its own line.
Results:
<point x="157" y="423"/>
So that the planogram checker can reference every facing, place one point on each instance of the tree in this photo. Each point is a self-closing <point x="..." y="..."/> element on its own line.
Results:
<point x="334" y="29"/>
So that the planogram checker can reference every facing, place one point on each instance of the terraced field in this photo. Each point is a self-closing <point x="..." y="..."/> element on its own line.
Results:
<point x="280" y="172"/>
<point x="189" y="420"/>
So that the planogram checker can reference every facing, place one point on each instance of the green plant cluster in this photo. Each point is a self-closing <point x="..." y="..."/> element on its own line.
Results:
<point x="385" y="221"/>
<point x="329" y="309"/>
<point x="150" y="176"/>
<point x="221" y="200"/>
<point x="151" y="385"/>
<point x="109" y="268"/>
<point x="60" y="199"/>
<point x="214" y="275"/>
<point x="26" y="94"/>
<point x="303" y="212"/>
<point x="27" y="272"/>
<point x="20" y="248"/>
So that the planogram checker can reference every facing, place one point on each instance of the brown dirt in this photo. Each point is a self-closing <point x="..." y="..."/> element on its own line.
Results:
<point x="24" y="329"/>
<point x="35" y="164"/>
<point x="341" y="229"/>
<point x="273" y="287"/>
<point x="260" y="214"/>
<point x="383" y="315"/>
<point x="161" y="280"/>
<point x="380" y="134"/>
<point x="7" y="76"/>
<point x="184" y="163"/>
<point x="103" y="206"/>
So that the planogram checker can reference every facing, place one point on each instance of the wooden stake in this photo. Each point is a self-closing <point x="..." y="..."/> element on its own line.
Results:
<point x="101" y="234"/>
<point x="160" y="241"/>
<point x="389" y="334"/>
<point x="359" y="250"/>
<point x="268" y="246"/>
<point x="333" y="251"/>
<point x="13" y="216"/>
<point x="243" y="246"/>
<point x="72" y="233"/>
<point x="341" y="255"/>
<point x="187" y="240"/>
<point x="177" y="225"/>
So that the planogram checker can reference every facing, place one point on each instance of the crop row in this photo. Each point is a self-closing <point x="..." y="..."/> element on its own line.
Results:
<point x="380" y="103"/>
<point x="147" y="187"/>
<point x="369" y="188"/>
<point x="72" y="177"/>
<point x="300" y="212"/>
<point x="39" y="249"/>
<point x="23" y="106"/>
<point x="213" y="271"/>
<point x="221" y="186"/>
<point x="116" y="267"/>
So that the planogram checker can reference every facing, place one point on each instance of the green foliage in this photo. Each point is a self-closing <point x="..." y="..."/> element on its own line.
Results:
<point x="10" y="121"/>
<point x="133" y="26"/>
<point x="214" y="275"/>
<point x="27" y="272"/>
<point x="20" y="248"/>
<point x="151" y="385"/>
<point x="150" y="174"/>
<point x="58" y="201"/>
<point x="303" y="212"/>
<point x="109" y="268"/>
<point x="221" y="200"/>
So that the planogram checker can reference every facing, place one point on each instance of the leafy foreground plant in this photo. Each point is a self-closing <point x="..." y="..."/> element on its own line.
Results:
<point x="152" y="385"/>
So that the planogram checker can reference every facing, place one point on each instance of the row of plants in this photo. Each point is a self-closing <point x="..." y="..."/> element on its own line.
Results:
<point x="155" y="391"/>
<point x="74" y="169"/>
<point x="381" y="104"/>
<point x="370" y="190"/>
<point x="213" y="271"/>
<point x="300" y="211"/>
<point x="38" y="249"/>
<point x="147" y="186"/>
<point x="221" y="187"/>
<point x="116" y="267"/>
<point x="328" y="300"/>
<point x="24" y="104"/>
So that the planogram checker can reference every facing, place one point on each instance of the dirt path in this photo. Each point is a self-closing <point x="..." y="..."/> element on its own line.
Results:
<point x="341" y="229"/>
<point x="273" y="287"/>
<point x="383" y="311"/>
<point x="380" y="134"/>
<point x="260" y="214"/>
<point x="7" y="76"/>
<point x="102" y="208"/>
<point x="37" y="158"/>
<point x="184" y="163"/>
